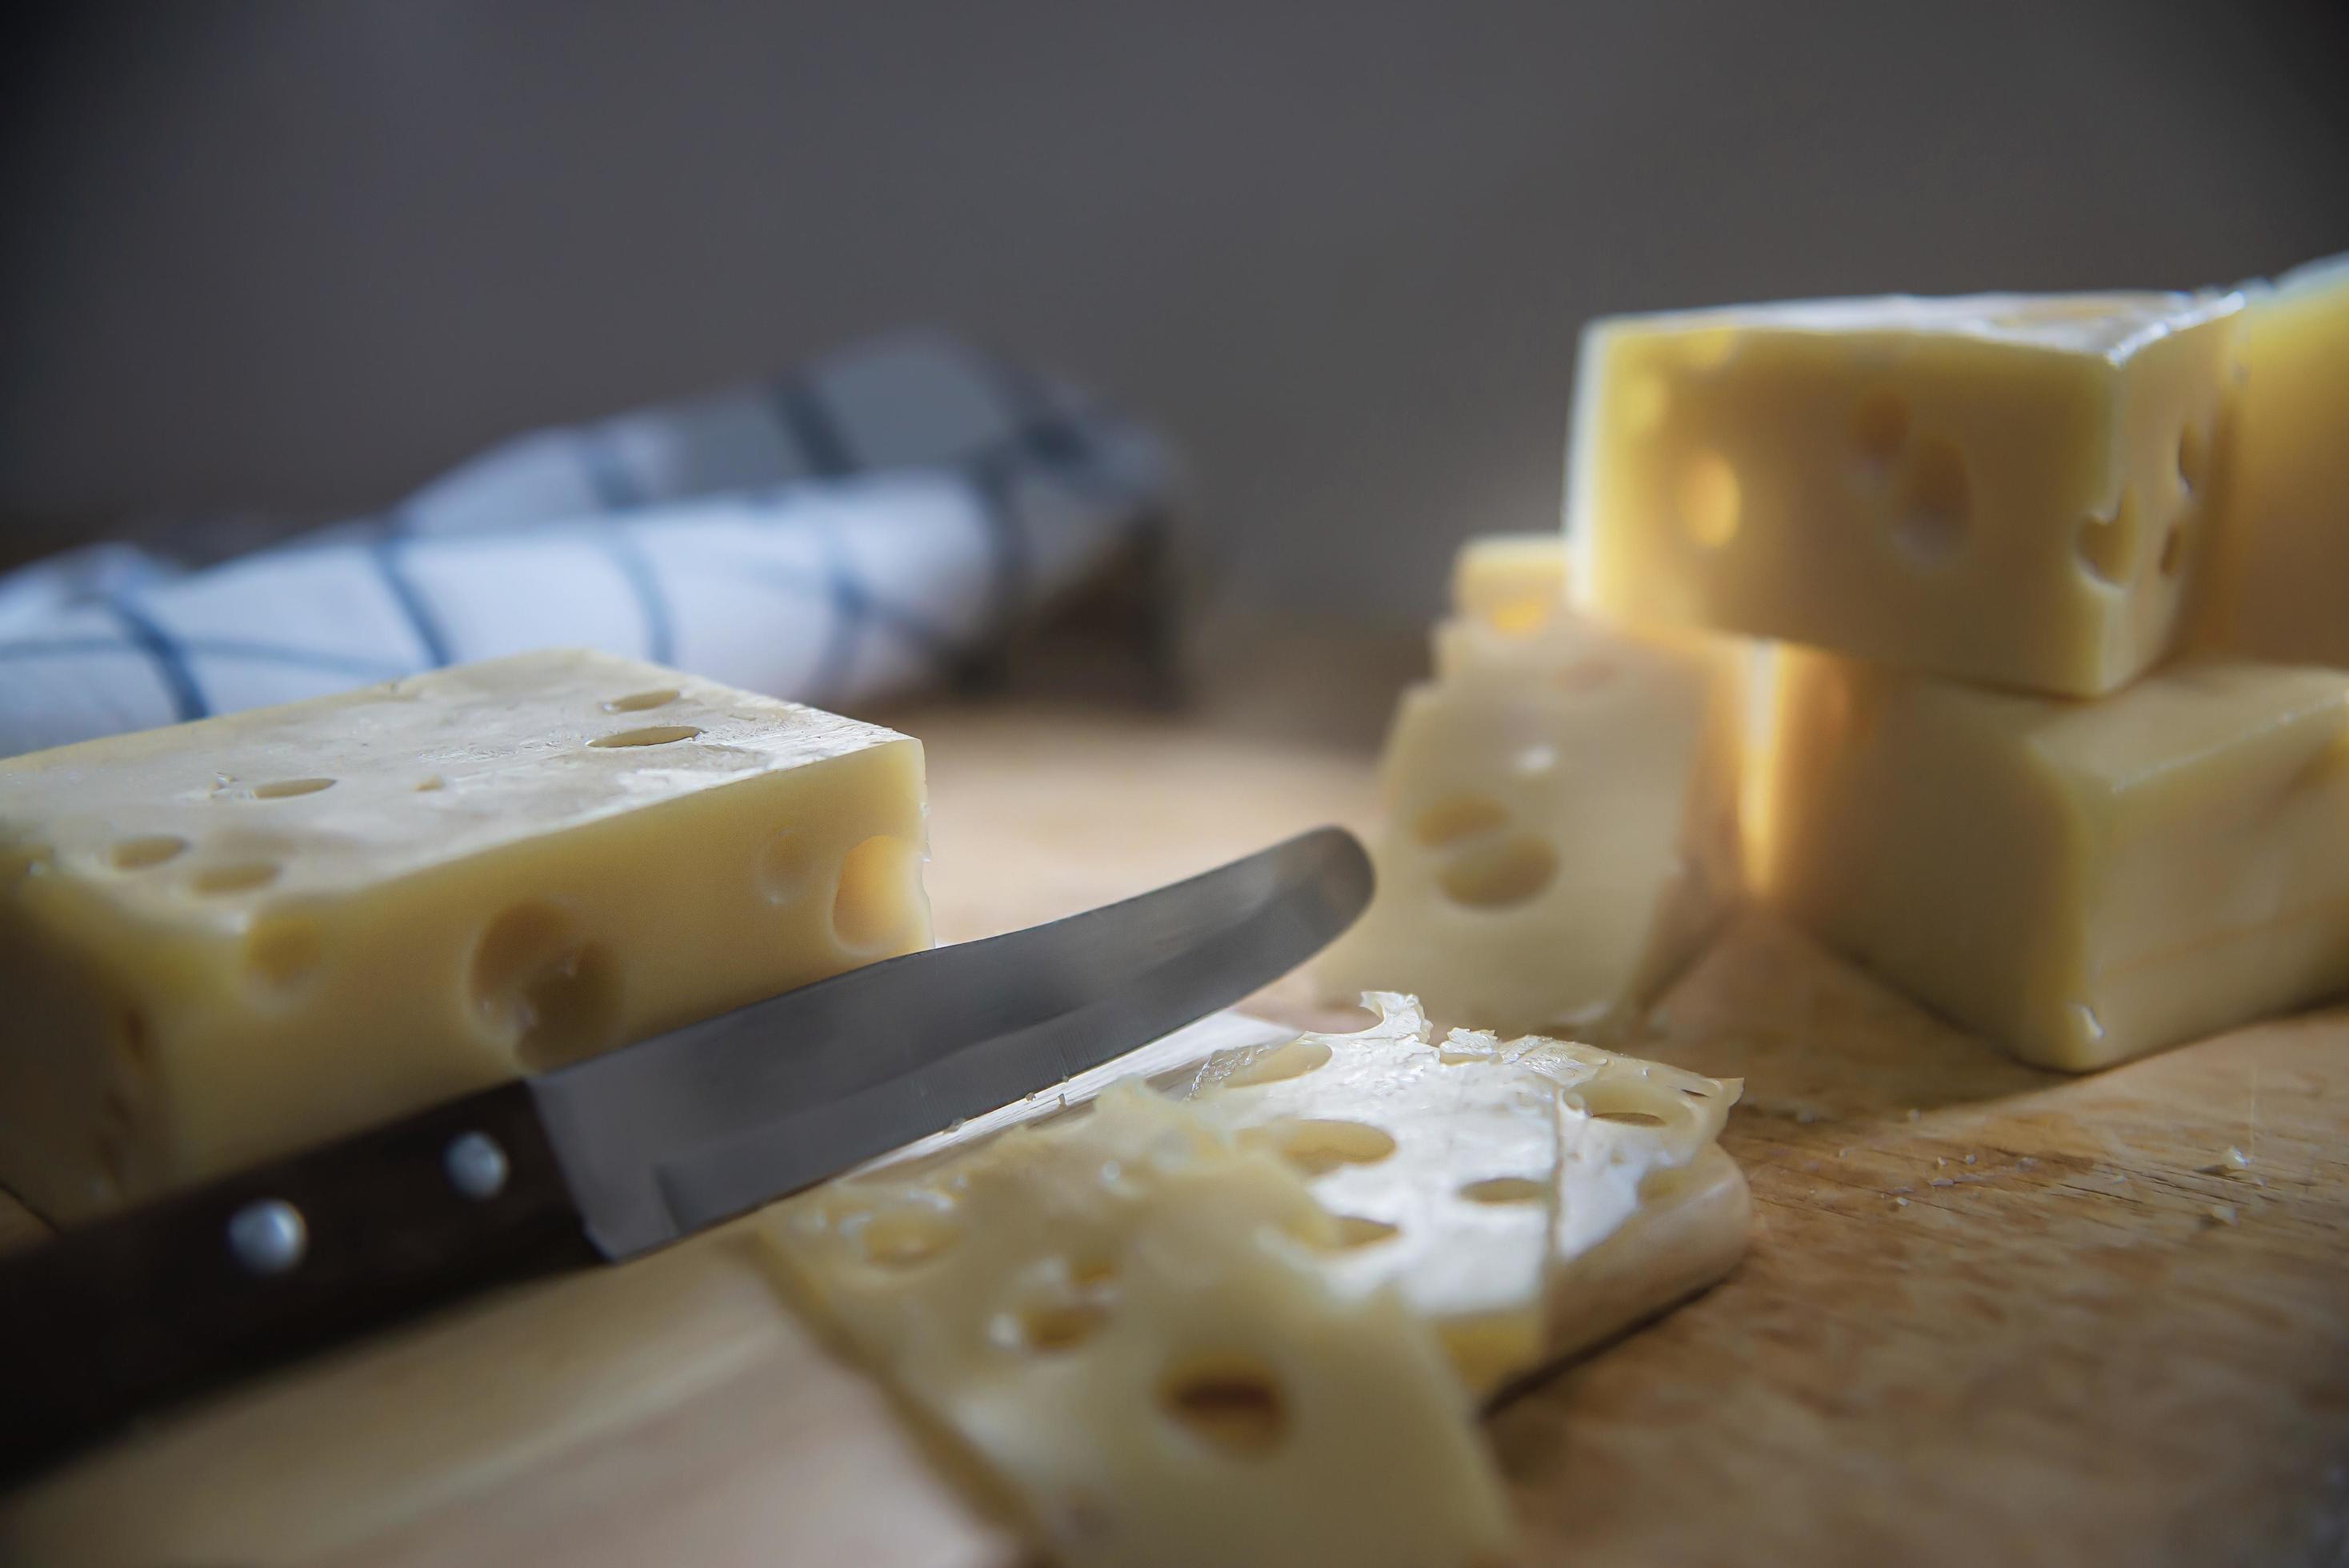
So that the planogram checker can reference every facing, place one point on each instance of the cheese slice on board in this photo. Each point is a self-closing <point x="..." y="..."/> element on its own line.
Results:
<point x="1480" y="1178"/>
<point x="2283" y="575"/>
<point x="1124" y="1317"/>
<point x="2000" y="487"/>
<point x="225" y="940"/>
<point x="1561" y="828"/>
<point x="2081" y="882"/>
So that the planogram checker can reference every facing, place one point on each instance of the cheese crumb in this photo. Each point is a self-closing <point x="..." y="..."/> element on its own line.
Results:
<point x="2223" y="1212"/>
<point x="1899" y="1203"/>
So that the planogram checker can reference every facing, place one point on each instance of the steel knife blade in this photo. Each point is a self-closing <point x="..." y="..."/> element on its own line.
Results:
<point x="630" y="1150"/>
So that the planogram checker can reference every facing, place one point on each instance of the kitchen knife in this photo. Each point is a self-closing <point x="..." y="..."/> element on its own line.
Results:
<point x="632" y="1150"/>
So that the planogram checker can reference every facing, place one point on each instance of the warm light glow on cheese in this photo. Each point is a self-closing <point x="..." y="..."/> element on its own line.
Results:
<point x="1514" y="584"/>
<point x="2005" y="489"/>
<point x="225" y="940"/>
<point x="1123" y="1315"/>
<point x="1562" y="826"/>
<point x="2083" y="882"/>
<point x="2283" y="588"/>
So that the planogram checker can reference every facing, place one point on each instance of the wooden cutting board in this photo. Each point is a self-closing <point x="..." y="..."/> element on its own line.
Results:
<point x="1990" y="1314"/>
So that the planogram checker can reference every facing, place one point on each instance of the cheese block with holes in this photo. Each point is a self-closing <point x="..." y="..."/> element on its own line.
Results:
<point x="1561" y="826"/>
<point x="2005" y="489"/>
<point x="1527" y="1198"/>
<point x="2283" y="588"/>
<point x="224" y="940"/>
<point x="1121" y="1317"/>
<point x="2084" y="881"/>
<point x="1512" y="582"/>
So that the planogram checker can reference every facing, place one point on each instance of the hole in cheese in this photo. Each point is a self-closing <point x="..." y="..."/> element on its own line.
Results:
<point x="1710" y="501"/>
<point x="2173" y="549"/>
<point x="542" y="989"/>
<point x="638" y="701"/>
<point x="1314" y="1146"/>
<point x="1492" y="876"/>
<point x="1503" y="1190"/>
<point x="1230" y="1401"/>
<point x="1292" y="1060"/>
<point x="1058" y="1325"/>
<point x="1457" y="816"/>
<point x="906" y="1234"/>
<point x="148" y="850"/>
<point x="285" y="789"/>
<point x="1628" y="1118"/>
<point x="2106" y="545"/>
<point x="873" y="908"/>
<point x="1880" y="429"/>
<point x="1935" y="499"/>
<point x="1362" y="1230"/>
<point x="235" y="876"/>
<point x="650" y="735"/>
<point x="283" y="951"/>
<point x="2193" y="457"/>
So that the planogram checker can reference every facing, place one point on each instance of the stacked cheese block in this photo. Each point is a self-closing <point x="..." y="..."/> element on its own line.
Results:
<point x="2008" y="744"/>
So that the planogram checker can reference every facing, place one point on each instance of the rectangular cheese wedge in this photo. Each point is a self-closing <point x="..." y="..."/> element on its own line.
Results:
<point x="2000" y="487"/>
<point x="2283" y="588"/>
<point x="1513" y="582"/>
<point x="1561" y="826"/>
<point x="2081" y="882"/>
<point x="1123" y="1319"/>
<point x="225" y="940"/>
<point x="1527" y="1198"/>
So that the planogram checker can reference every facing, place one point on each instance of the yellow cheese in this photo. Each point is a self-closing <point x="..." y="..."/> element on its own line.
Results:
<point x="224" y="940"/>
<point x="1512" y="582"/>
<point x="1477" y="1178"/>
<point x="1561" y="826"/>
<point x="2084" y="881"/>
<point x="2004" y="489"/>
<point x="2283" y="570"/>
<point x="1122" y="1315"/>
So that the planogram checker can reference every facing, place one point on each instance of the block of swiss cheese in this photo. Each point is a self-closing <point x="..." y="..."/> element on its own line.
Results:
<point x="225" y="940"/>
<point x="2004" y="489"/>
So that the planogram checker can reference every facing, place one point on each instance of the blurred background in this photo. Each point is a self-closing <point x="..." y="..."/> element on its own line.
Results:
<point x="300" y="257"/>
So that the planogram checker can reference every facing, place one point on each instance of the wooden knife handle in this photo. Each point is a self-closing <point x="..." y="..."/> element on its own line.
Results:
<point x="112" y="1318"/>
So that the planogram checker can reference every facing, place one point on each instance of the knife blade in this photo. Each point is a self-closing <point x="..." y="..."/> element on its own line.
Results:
<point x="632" y="1149"/>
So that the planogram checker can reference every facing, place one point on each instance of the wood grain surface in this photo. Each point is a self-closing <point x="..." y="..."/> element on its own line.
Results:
<point x="1990" y="1314"/>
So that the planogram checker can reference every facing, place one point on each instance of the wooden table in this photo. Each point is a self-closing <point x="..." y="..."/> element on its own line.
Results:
<point x="1990" y="1314"/>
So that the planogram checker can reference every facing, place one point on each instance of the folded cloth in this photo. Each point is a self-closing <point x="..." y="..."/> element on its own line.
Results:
<point x="879" y="519"/>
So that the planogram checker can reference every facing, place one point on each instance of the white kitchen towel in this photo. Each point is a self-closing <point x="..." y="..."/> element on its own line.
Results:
<point x="878" y="520"/>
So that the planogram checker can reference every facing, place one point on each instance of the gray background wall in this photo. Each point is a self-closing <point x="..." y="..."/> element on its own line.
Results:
<point x="301" y="255"/>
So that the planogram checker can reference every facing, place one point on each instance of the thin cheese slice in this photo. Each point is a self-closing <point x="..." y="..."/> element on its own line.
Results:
<point x="1477" y="1177"/>
<point x="1562" y="827"/>
<point x="2006" y="489"/>
<point x="224" y="940"/>
<point x="1124" y="1315"/>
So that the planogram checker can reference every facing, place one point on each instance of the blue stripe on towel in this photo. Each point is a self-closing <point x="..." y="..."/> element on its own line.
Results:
<point x="169" y="659"/>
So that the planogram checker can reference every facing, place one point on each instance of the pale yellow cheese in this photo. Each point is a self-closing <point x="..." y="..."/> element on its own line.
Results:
<point x="2083" y="882"/>
<point x="1514" y="584"/>
<point x="2004" y="489"/>
<point x="1477" y="1178"/>
<point x="2282" y="575"/>
<point x="1123" y="1315"/>
<point x="1561" y="826"/>
<point x="224" y="940"/>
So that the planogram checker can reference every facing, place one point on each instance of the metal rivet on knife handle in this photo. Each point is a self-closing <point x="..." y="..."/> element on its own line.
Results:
<point x="475" y="1164"/>
<point x="267" y="1236"/>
